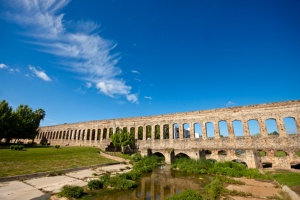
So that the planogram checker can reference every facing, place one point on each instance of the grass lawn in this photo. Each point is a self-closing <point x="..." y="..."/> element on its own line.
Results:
<point x="32" y="160"/>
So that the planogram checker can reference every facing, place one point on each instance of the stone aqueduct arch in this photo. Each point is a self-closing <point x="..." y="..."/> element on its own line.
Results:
<point x="96" y="133"/>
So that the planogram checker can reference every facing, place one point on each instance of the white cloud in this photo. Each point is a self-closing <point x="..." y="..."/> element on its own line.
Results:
<point x="39" y="73"/>
<point x="135" y="72"/>
<point x="85" y="52"/>
<point x="230" y="104"/>
<point x="88" y="85"/>
<point x="3" y="66"/>
<point x="147" y="97"/>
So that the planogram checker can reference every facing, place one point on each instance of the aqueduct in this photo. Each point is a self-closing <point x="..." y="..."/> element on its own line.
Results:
<point x="198" y="134"/>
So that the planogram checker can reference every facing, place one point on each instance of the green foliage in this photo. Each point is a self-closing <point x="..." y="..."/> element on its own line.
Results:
<point x="95" y="184"/>
<point x="16" y="147"/>
<point x="57" y="146"/>
<point x="186" y="195"/>
<point x="136" y="157"/>
<point x="280" y="154"/>
<point x="287" y="178"/>
<point x="147" y="164"/>
<point x="132" y="175"/>
<point x="214" y="189"/>
<point x="70" y="191"/>
<point x="228" y="180"/>
<point x="21" y="123"/>
<point x="121" y="183"/>
<point x="122" y="139"/>
<point x="193" y="166"/>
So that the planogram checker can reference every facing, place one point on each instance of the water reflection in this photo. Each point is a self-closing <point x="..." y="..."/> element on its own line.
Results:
<point x="158" y="185"/>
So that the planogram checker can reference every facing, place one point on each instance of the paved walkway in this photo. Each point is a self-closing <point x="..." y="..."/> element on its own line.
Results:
<point x="42" y="188"/>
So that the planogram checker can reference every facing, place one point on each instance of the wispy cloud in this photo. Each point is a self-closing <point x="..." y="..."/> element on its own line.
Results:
<point x="3" y="66"/>
<point x="230" y="104"/>
<point x="85" y="51"/>
<point x="39" y="73"/>
<point x="135" y="72"/>
<point x="147" y="97"/>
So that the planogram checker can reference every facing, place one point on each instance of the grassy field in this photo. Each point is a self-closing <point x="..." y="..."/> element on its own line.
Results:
<point x="42" y="159"/>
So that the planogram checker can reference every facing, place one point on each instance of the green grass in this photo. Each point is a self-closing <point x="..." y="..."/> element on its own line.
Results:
<point x="298" y="153"/>
<point x="33" y="160"/>
<point x="287" y="178"/>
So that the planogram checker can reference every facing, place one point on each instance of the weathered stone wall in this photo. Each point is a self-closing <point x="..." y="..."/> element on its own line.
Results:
<point x="96" y="133"/>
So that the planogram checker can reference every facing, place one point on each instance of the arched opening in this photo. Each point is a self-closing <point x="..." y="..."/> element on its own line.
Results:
<point x="157" y="132"/>
<point x="267" y="165"/>
<point x="240" y="152"/>
<point x="93" y="134"/>
<point x="280" y="153"/>
<point x="272" y="127"/>
<point x="176" y="131"/>
<point x="159" y="155"/>
<point x="64" y="135"/>
<point x="166" y="131"/>
<point x="223" y="128"/>
<point x="262" y="153"/>
<point x="238" y="128"/>
<point x="117" y="130"/>
<point x="197" y="130"/>
<point x="207" y="152"/>
<point x="290" y="125"/>
<point x="88" y="134"/>
<point x="132" y="132"/>
<point x="148" y="131"/>
<point x="104" y="133"/>
<point x="111" y="132"/>
<point x="181" y="155"/>
<point x="98" y="134"/>
<point x="140" y="133"/>
<point x="75" y="134"/>
<point x="79" y="134"/>
<point x="186" y="131"/>
<point x="222" y="153"/>
<point x="240" y="162"/>
<point x="295" y="165"/>
<point x="209" y="126"/>
<point x="253" y="127"/>
<point x="83" y="135"/>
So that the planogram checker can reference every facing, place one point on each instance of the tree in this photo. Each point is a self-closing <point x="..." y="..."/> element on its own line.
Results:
<point x="122" y="139"/>
<point x="39" y="115"/>
<point x="5" y="119"/>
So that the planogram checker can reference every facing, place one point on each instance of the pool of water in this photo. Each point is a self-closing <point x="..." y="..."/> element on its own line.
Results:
<point x="158" y="185"/>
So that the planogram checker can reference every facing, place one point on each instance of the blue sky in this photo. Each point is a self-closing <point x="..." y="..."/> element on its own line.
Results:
<point x="92" y="60"/>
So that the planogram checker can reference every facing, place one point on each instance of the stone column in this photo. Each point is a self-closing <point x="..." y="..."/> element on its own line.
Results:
<point x="230" y="129"/>
<point x="153" y="132"/>
<point x="192" y="131"/>
<point x="245" y="127"/>
<point x="171" y="132"/>
<point x="262" y="127"/>
<point x="136" y="131"/>
<point x="144" y="133"/>
<point x="280" y="127"/>
<point x="216" y="130"/>
<point x="180" y="131"/>
<point x="297" y="123"/>
<point x="161" y="131"/>
<point x="204" y="133"/>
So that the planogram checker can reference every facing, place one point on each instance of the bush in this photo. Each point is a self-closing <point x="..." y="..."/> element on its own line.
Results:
<point x="57" y="146"/>
<point x="20" y="147"/>
<point x="132" y="175"/>
<point x="17" y="147"/>
<point x="136" y="157"/>
<point x="186" y="195"/>
<point x="214" y="189"/>
<point x="95" y="184"/>
<point x="12" y="147"/>
<point x="121" y="183"/>
<point x="70" y="191"/>
<point x="48" y="144"/>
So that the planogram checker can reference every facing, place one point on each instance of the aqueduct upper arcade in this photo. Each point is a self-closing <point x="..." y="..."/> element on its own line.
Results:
<point x="236" y="133"/>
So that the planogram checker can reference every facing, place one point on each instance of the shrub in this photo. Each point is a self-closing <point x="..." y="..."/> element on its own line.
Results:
<point x="214" y="188"/>
<point x="132" y="175"/>
<point x="186" y="195"/>
<point x="70" y="191"/>
<point x="20" y="147"/>
<point x="121" y="183"/>
<point x="57" y="146"/>
<point x="48" y="144"/>
<point x="136" y="157"/>
<point x="95" y="184"/>
<point x="12" y="147"/>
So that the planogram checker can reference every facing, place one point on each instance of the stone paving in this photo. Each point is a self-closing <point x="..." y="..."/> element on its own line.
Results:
<point x="42" y="188"/>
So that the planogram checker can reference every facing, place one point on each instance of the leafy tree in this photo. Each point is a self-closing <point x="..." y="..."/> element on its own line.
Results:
<point x="5" y="119"/>
<point x="122" y="139"/>
<point x="273" y="133"/>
